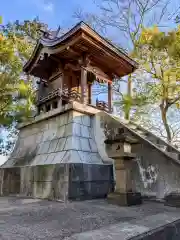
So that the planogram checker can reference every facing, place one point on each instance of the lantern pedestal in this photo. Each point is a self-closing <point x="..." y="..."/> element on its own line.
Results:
<point x="122" y="156"/>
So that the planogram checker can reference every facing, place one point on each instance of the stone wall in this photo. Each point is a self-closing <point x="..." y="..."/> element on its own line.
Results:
<point x="154" y="174"/>
<point x="65" y="138"/>
<point x="58" y="181"/>
<point x="88" y="181"/>
<point x="48" y="181"/>
<point x="45" y="181"/>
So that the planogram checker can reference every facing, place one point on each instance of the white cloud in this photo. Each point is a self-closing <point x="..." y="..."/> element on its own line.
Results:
<point x="48" y="7"/>
<point x="44" y="5"/>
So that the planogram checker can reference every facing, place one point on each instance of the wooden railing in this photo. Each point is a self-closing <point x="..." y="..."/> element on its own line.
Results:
<point x="102" y="105"/>
<point x="61" y="93"/>
<point x="69" y="96"/>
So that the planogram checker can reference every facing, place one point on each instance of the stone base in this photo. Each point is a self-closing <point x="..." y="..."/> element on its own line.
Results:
<point x="90" y="181"/>
<point x="75" y="181"/>
<point x="125" y="199"/>
<point x="172" y="199"/>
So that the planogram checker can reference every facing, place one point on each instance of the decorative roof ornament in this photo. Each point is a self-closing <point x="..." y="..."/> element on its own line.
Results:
<point x="50" y="35"/>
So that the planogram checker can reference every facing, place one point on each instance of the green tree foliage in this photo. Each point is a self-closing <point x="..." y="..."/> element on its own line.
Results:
<point x="125" y="19"/>
<point x="17" y="41"/>
<point x="158" y="55"/>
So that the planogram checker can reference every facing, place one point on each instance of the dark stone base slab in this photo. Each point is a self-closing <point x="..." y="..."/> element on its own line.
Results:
<point x="90" y="181"/>
<point x="172" y="199"/>
<point x="125" y="199"/>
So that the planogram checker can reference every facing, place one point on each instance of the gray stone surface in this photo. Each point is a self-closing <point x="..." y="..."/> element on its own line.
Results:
<point x="41" y="181"/>
<point x="58" y="181"/>
<point x="23" y="218"/>
<point x="80" y="139"/>
<point x="44" y="142"/>
<point x="154" y="172"/>
<point x="160" y="226"/>
<point x="88" y="181"/>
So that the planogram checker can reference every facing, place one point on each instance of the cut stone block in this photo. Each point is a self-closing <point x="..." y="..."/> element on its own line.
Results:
<point x="71" y="157"/>
<point x="53" y="145"/>
<point x="44" y="147"/>
<point x="60" y="145"/>
<point x="85" y="131"/>
<point x="93" y="145"/>
<point x="77" y="117"/>
<point x="58" y="157"/>
<point x="49" y="159"/>
<point x="76" y="129"/>
<point x="39" y="137"/>
<point x="72" y="143"/>
<point x="60" y="132"/>
<point x="95" y="158"/>
<point x="86" y="120"/>
<point x="65" y="118"/>
<point x="85" y="145"/>
<point x="68" y="130"/>
<point x="84" y="156"/>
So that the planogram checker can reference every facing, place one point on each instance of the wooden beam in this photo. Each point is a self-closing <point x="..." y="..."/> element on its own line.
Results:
<point x="56" y="59"/>
<point x="109" y="96"/>
<point x="61" y="48"/>
<point x="109" y="46"/>
<point x="73" y="67"/>
<point x="106" y="53"/>
<point x="81" y="47"/>
<point x="69" y="49"/>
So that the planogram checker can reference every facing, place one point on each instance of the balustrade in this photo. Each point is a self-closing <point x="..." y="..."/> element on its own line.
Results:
<point x="102" y="105"/>
<point x="68" y="96"/>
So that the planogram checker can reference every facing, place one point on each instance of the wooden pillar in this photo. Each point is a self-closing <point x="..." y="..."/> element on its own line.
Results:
<point x="62" y="80"/>
<point x="89" y="93"/>
<point x="110" y="96"/>
<point x="83" y="85"/>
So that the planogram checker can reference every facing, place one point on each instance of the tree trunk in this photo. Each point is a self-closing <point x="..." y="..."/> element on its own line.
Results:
<point x="164" y="111"/>
<point x="129" y="91"/>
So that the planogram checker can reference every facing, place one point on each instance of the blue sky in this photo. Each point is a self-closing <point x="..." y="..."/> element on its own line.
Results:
<point x="60" y="12"/>
<point x="52" y="12"/>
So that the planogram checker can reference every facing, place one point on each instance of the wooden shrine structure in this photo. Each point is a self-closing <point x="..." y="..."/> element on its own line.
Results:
<point x="67" y="66"/>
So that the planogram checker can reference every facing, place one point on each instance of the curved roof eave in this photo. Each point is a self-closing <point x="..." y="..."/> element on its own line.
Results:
<point x="37" y="48"/>
<point x="43" y="42"/>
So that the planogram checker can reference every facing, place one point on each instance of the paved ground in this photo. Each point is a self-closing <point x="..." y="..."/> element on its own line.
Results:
<point x="39" y="219"/>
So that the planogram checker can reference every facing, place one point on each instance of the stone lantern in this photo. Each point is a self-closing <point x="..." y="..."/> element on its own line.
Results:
<point x="118" y="147"/>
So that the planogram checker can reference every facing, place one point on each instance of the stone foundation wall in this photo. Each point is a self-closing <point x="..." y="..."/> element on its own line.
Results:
<point x="153" y="173"/>
<point x="88" y="181"/>
<point x="58" y="181"/>
<point x="65" y="138"/>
